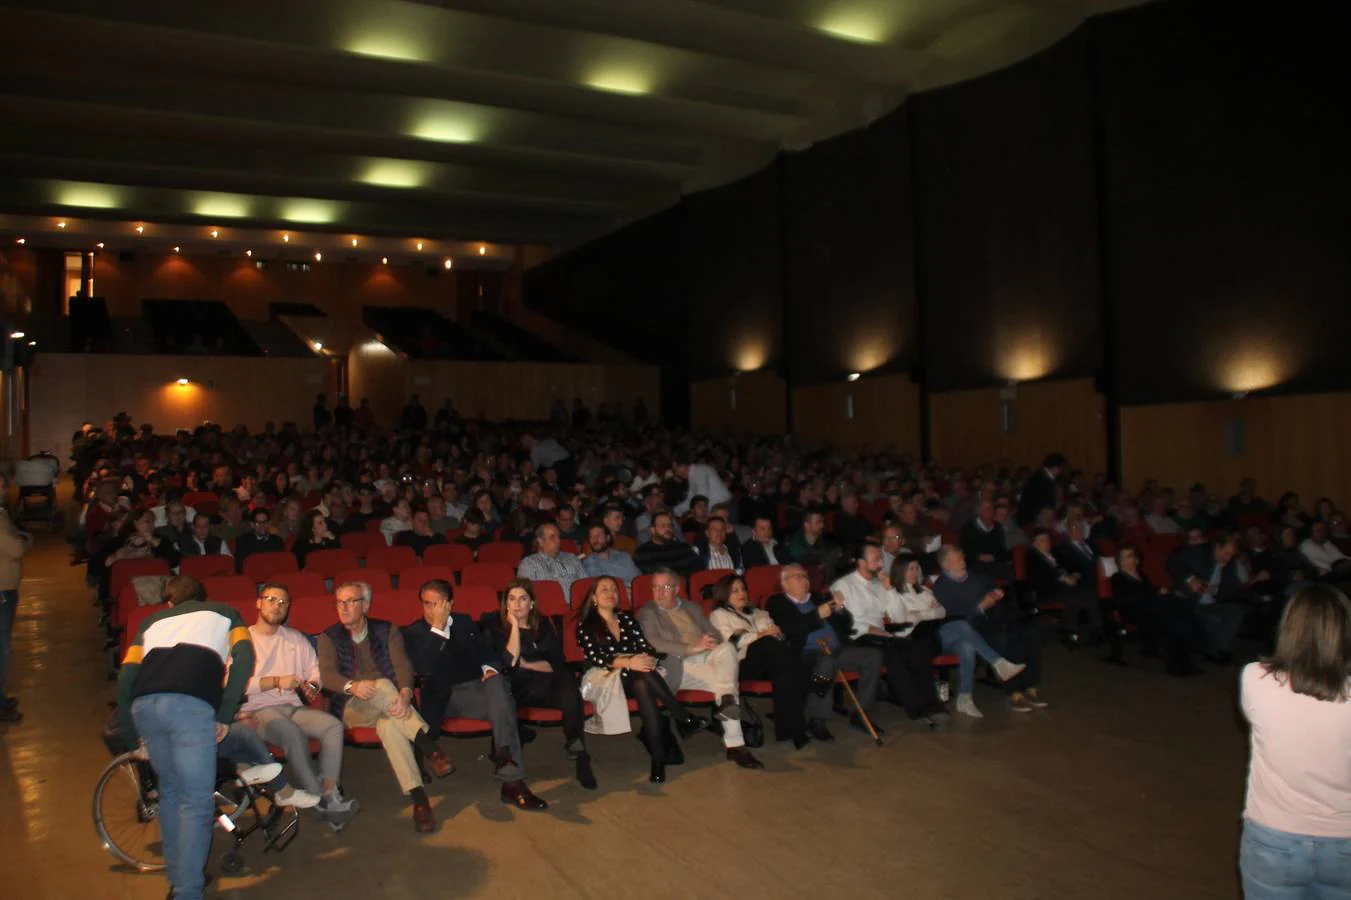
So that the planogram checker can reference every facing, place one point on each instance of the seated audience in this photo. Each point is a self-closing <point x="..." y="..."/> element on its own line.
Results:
<point x="201" y="542"/>
<point x="850" y="528"/>
<point x="603" y="559"/>
<point x="612" y="641"/>
<point x="420" y="535"/>
<point x="1078" y="592"/>
<point x="1159" y="521"/>
<point x="973" y="597"/>
<point x="258" y="540"/>
<point x="811" y="546"/>
<point x="1246" y="503"/>
<point x="175" y="527"/>
<point x="285" y="680"/>
<point x="665" y="551"/>
<point x="400" y="519"/>
<point x="531" y="653"/>
<point x="569" y="527"/>
<point x="315" y="536"/>
<point x="1210" y="577"/>
<point x="762" y="549"/>
<point x="764" y="654"/>
<point x="550" y="563"/>
<point x="696" y="658"/>
<point x="1014" y="534"/>
<point x="816" y="628"/>
<point x="867" y="594"/>
<point x="474" y="534"/>
<point x="365" y="669"/>
<point x="1160" y="617"/>
<point x="984" y="542"/>
<point x="714" y="548"/>
<point x="1326" y="561"/>
<point x="1042" y="489"/>
<point x="459" y="675"/>
<point x="614" y="523"/>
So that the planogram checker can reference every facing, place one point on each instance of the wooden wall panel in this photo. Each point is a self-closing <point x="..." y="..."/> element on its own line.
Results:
<point x="68" y="388"/>
<point x="337" y="288"/>
<point x="886" y="414"/>
<point x="966" y="427"/>
<point x="760" y="404"/>
<point x="1292" y="443"/>
<point x="377" y="372"/>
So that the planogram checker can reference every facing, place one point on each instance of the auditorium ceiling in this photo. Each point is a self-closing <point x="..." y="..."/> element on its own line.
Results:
<point x="499" y="121"/>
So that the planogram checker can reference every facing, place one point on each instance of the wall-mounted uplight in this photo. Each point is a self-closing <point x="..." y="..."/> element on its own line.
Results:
<point x="182" y="382"/>
<point x="853" y="376"/>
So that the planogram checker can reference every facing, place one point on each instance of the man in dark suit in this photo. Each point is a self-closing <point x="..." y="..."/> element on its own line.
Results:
<point x="762" y="549"/>
<point x="851" y="529"/>
<point x="460" y="678"/>
<point x="715" y="549"/>
<point x="1213" y="578"/>
<point x="984" y="544"/>
<point x="258" y="540"/>
<point x="201" y="542"/>
<point x="1072" y="583"/>
<point x="1042" y="490"/>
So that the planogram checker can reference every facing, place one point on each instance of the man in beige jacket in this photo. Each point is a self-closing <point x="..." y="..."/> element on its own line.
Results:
<point x="13" y="546"/>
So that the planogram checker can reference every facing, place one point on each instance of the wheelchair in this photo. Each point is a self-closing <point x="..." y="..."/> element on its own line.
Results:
<point x="126" y="815"/>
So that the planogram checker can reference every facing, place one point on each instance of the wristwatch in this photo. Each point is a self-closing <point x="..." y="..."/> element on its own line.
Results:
<point x="347" y="688"/>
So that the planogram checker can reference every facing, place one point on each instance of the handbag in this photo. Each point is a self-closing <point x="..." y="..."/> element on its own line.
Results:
<point x="752" y="726"/>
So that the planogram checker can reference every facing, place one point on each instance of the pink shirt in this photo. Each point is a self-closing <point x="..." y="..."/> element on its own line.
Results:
<point x="288" y="652"/>
<point x="1299" y="780"/>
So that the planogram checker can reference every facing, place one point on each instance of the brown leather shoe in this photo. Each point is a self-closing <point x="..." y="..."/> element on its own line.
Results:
<point x="440" y="763"/>
<point x="744" y="758"/>
<point x="423" y="820"/>
<point x="519" y="795"/>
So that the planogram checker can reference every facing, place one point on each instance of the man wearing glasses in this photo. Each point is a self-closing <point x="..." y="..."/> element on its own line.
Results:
<point x="362" y="663"/>
<point x="697" y="658"/>
<point x="285" y="680"/>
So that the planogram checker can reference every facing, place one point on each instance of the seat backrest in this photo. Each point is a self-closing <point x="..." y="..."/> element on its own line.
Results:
<point x="762" y="582"/>
<point x="378" y="579"/>
<point x="230" y="588"/>
<point x="361" y="542"/>
<point x="402" y="607"/>
<point x="567" y="546"/>
<point x="327" y="563"/>
<point x="195" y="499"/>
<point x="494" y="574"/>
<point x="475" y="600"/>
<point x="414" y="578"/>
<point x="262" y="566"/>
<point x="549" y="598"/>
<point x="508" y="552"/>
<point x="373" y="527"/>
<point x="126" y="569"/>
<point x="706" y="577"/>
<point x="301" y="584"/>
<point x="1019" y="562"/>
<point x="312" y="614"/>
<point x="248" y="610"/>
<point x="200" y="567"/>
<point x="572" y="651"/>
<point x="134" y="620"/>
<point x="456" y="556"/>
<point x="392" y="559"/>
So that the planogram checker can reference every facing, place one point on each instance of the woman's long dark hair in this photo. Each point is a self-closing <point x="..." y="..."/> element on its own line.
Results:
<point x="897" y="574"/>
<point x="1313" y="644"/>
<point x="532" y="622"/>
<point x="588" y="618"/>
<point x="720" y="592"/>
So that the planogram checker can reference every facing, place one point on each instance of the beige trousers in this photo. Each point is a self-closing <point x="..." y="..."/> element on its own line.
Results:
<point x="396" y="735"/>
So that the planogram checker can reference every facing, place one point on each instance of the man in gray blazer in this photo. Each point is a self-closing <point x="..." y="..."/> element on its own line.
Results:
<point x="697" y="658"/>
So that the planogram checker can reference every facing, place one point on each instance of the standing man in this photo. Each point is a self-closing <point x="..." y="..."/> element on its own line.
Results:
<point x="177" y="693"/>
<point x="13" y="545"/>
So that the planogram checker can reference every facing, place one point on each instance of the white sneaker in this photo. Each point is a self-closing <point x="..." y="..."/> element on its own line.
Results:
<point x="260" y="774"/>
<point x="290" y="796"/>
<point x="1006" y="670"/>
<point x="967" y="707"/>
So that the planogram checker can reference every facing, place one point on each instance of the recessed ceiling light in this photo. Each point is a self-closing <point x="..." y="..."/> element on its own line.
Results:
<point x="620" y="80"/>
<point x="60" y="224"/>
<point x="140" y="229"/>
<point x="175" y="249"/>
<point x="215" y="233"/>
<point x="248" y="252"/>
<point x="384" y="260"/>
<point x="318" y="345"/>
<point x="447" y="263"/>
<point x="318" y="257"/>
<point x="319" y="212"/>
<point x="182" y="381"/>
<point x="482" y="250"/>
<point x="83" y="193"/>
<point x="419" y="246"/>
<point x="99" y="245"/>
<point x="354" y="242"/>
<point x="286" y="239"/>
<point x="23" y="240"/>
<point x="32" y="343"/>
<point x="853" y="376"/>
<point x="212" y="205"/>
<point x="446" y="130"/>
<point x="395" y="173"/>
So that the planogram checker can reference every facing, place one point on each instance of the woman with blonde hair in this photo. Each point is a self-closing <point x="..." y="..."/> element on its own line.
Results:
<point x="1297" y="820"/>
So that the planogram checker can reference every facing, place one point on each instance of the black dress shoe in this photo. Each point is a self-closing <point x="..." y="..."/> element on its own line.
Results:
<point x="743" y="757"/>
<point x="585" y="777"/>
<point x="688" y="728"/>
<point x="658" y="773"/>
<point x="800" y="742"/>
<point x="818" y="730"/>
<point x="519" y="795"/>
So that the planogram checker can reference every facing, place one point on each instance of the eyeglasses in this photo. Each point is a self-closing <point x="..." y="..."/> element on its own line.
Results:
<point x="663" y="587"/>
<point x="352" y="602"/>
<point x="280" y="601"/>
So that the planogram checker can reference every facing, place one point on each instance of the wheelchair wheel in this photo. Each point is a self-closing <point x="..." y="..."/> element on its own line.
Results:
<point x="127" y="821"/>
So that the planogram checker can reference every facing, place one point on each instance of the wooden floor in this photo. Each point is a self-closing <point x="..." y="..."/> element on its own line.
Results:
<point x="1130" y="786"/>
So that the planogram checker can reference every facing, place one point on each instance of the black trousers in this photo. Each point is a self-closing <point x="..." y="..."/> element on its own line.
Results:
<point x="773" y="660"/>
<point x="558" y="690"/>
<point x="652" y="692"/>
<point x="909" y="662"/>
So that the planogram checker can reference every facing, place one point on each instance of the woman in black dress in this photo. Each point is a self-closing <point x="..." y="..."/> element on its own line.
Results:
<point x="612" y="639"/>
<point x="532" y="654"/>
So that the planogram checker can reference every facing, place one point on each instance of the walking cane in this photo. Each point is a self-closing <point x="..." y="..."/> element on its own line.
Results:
<point x="839" y="676"/>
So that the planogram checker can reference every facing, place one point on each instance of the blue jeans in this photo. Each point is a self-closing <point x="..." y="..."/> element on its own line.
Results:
<point x="1278" y="865"/>
<point x="180" y="733"/>
<point x="8" y="609"/>
<point x="960" y="639"/>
